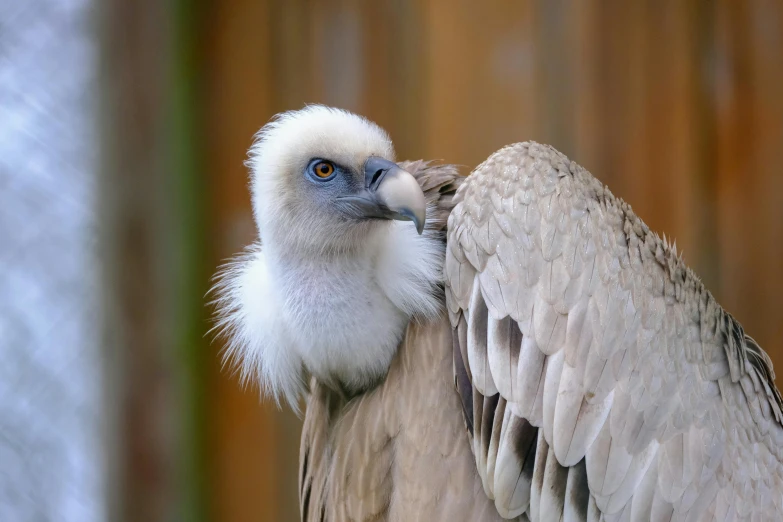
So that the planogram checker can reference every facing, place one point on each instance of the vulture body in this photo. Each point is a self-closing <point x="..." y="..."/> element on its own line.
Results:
<point x="537" y="353"/>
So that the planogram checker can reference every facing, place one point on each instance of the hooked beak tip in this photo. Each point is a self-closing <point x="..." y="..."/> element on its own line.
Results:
<point x="418" y="219"/>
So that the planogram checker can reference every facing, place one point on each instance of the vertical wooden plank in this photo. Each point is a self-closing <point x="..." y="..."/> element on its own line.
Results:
<point x="290" y="79"/>
<point x="252" y="445"/>
<point x="707" y="225"/>
<point x="339" y="55"/>
<point x="187" y="271"/>
<point x="666" y="186"/>
<point x="141" y="397"/>
<point x="587" y="94"/>
<point x="636" y="111"/>
<point x="394" y="80"/>
<point x="365" y="57"/>
<point x="766" y="33"/>
<point x="749" y="119"/>
<point x="480" y="67"/>
<point x="621" y="58"/>
<point x="556" y="34"/>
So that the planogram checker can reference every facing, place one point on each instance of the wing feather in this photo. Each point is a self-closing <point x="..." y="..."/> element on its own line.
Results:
<point x="553" y="490"/>
<point x="478" y="359"/>
<point x="514" y="465"/>
<point x="607" y="383"/>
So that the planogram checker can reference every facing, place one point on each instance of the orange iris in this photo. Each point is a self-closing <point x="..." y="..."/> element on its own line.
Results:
<point x="323" y="169"/>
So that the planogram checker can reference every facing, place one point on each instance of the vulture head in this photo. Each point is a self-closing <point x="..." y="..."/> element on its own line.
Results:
<point x="324" y="181"/>
<point x="343" y="259"/>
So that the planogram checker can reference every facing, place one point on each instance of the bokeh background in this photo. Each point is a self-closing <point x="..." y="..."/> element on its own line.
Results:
<point x="123" y="129"/>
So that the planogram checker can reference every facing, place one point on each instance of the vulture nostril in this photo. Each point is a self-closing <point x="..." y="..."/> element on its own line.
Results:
<point x="376" y="176"/>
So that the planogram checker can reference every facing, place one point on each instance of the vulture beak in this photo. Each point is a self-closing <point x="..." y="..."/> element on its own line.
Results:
<point x="389" y="193"/>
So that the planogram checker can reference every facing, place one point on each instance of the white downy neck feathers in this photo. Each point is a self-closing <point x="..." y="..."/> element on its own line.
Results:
<point x="323" y="296"/>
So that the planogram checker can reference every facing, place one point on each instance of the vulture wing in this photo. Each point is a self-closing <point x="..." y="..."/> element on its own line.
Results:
<point x="599" y="379"/>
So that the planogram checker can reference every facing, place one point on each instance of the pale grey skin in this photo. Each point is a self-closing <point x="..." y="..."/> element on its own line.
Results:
<point x="597" y="378"/>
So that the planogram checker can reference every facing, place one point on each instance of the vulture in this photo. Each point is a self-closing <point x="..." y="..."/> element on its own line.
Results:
<point x="511" y="345"/>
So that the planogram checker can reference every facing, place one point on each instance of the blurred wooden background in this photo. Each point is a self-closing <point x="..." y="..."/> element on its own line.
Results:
<point x="676" y="105"/>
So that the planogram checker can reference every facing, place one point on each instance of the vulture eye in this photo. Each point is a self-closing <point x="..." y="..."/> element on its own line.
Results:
<point x="323" y="169"/>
